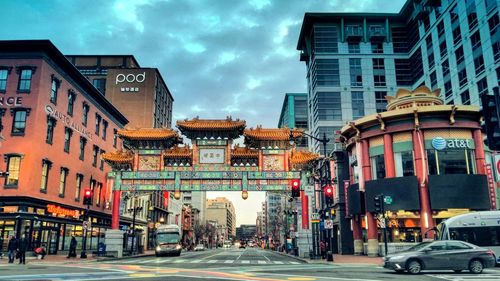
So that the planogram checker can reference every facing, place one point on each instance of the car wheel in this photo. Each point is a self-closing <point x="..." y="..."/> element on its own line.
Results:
<point x="457" y="270"/>
<point x="414" y="267"/>
<point x="476" y="266"/>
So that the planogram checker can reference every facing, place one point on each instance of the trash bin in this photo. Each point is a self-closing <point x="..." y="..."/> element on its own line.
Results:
<point x="101" y="249"/>
<point x="296" y="251"/>
<point x="329" y="256"/>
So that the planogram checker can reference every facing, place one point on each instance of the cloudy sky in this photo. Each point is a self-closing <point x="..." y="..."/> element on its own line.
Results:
<point x="218" y="57"/>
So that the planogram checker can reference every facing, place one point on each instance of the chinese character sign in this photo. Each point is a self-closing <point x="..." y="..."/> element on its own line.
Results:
<point x="212" y="155"/>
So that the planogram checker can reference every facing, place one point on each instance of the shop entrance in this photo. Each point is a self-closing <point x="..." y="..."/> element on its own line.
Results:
<point x="49" y="237"/>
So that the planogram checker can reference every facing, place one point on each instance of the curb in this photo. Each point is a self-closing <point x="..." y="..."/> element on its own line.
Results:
<point x="290" y="256"/>
<point x="123" y="258"/>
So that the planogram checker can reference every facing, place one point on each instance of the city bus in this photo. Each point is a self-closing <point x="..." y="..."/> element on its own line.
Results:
<point x="168" y="240"/>
<point x="479" y="228"/>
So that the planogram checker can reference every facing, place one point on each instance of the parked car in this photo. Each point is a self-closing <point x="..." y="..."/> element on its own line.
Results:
<point x="441" y="255"/>
<point x="199" y="247"/>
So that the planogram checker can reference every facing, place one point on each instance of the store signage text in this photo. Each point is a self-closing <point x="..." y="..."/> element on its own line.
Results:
<point x="58" y="210"/>
<point x="440" y="143"/>
<point x="130" y="78"/>
<point x="11" y="101"/>
<point x="77" y="126"/>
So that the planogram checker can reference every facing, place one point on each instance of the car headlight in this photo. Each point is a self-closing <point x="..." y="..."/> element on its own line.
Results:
<point x="178" y="247"/>
<point x="396" y="257"/>
<point x="158" y="248"/>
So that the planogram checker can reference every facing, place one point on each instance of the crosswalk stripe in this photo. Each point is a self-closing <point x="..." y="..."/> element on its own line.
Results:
<point x="195" y="261"/>
<point x="212" y="261"/>
<point x="262" y="262"/>
<point x="294" y="262"/>
<point x="179" y="261"/>
<point x="229" y="261"/>
<point x="278" y="262"/>
<point x="245" y="261"/>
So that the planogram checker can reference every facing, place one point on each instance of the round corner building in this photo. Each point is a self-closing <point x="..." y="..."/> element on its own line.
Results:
<point x="427" y="159"/>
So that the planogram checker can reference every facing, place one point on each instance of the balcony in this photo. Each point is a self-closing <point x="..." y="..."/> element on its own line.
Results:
<point x="377" y="34"/>
<point x="421" y="11"/>
<point x="353" y="33"/>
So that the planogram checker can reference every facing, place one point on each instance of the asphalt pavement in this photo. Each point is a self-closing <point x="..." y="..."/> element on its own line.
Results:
<point x="218" y="264"/>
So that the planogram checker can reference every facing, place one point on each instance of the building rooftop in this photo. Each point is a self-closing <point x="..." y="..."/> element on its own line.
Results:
<point x="148" y="134"/>
<point x="197" y="124"/>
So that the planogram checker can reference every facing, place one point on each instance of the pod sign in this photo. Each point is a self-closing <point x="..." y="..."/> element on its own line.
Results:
<point x="130" y="78"/>
<point x="440" y="143"/>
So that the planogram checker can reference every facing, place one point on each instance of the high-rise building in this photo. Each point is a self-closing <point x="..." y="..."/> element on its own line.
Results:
<point x="141" y="94"/>
<point x="222" y="210"/>
<point x="354" y="60"/>
<point x="294" y="114"/>
<point x="246" y="232"/>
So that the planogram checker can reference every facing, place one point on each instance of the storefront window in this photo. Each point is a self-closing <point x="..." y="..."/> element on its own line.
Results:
<point x="442" y="162"/>
<point x="404" y="164"/>
<point x="378" y="167"/>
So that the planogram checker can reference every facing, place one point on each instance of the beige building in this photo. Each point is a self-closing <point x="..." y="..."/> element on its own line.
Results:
<point x="222" y="210"/>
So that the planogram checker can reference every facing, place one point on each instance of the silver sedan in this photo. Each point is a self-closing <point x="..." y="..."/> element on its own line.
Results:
<point x="441" y="255"/>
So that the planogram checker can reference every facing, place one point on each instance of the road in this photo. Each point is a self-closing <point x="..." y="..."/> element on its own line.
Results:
<point x="220" y="264"/>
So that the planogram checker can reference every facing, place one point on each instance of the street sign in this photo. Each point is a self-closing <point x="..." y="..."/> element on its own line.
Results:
<point x="382" y="223"/>
<point x="314" y="216"/>
<point x="86" y="225"/>
<point x="328" y="224"/>
<point x="388" y="200"/>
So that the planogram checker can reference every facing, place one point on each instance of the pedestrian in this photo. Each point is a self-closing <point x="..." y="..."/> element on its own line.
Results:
<point x="22" y="246"/>
<point x="72" y="247"/>
<point x="41" y="251"/>
<point x="12" y="248"/>
<point x="322" y="247"/>
<point x="1" y="246"/>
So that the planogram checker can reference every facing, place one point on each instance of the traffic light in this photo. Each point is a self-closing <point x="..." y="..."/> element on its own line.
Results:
<point x="4" y="174"/>
<point x="328" y="192"/>
<point x="491" y="113"/>
<point x="377" y="201"/>
<point x="87" y="196"/>
<point x="295" y="188"/>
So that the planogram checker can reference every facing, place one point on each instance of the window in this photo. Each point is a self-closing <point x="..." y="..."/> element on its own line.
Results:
<point x="448" y="91"/>
<point x="493" y="23"/>
<point x="51" y="124"/>
<point x="46" y="165"/>
<point x="98" y="194"/>
<point x="454" y="14"/>
<point x="62" y="181"/>
<point x="404" y="164"/>
<point x="97" y="123"/>
<point x="104" y="129"/>
<point x="353" y="48"/>
<point x="25" y="80"/>
<point x="462" y="77"/>
<point x="325" y="39"/>
<point x="479" y="64"/>
<point x="445" y="65"/>
<point x="71" y="102"/>
<point x="115" y="137"/>
<point x="378" y="64"/>
<point x="482" y="86"/>
<point x="448" y="161"/>
<point x="53" y="89"/>
<point x="380" y="101"/>
<point x="459" y="55"/>
<point x="83" y="143"/>
<point x="430" y="60"/>
<point x="442" y="49"/>
<point x="465" y="96"/>
<point x="356" y="73"/>
<point x="483" y="236"/>
<point x="452" y="245"/>
<point x="377" y="48"/>
<point x="19" y="124"/>
<point x="78" y="189"/>
<point x="428" y="43"/>
<point x="433" y="78"/>
<point x="13" y="168"/>
<point x="100" y="84"/>
<point x="95" y="153"/>
<point x="85" y="115"/>
<point x="101" y="164"/>
<point x="490" y="4"/>
<point x="358" y="105"/>
<point x="67" y="139"/>
<point x="475" y="40"/>
<point x="328" y="106"/>
<point x="440" y="28"/>
<point x="403" y="72"/>
<point x="457" y="35"/>
<point x="472" y="17"/>
<point x="4" y="74"/>
<point x="378" y="167"/>
<point x="496" y="50"/>
<point x="379" y="80"/>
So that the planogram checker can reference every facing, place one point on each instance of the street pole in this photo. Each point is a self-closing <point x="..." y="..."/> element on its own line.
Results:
<point x="83" y="254"/>
<point x="133" y="224"/>
<point x="385" y="222"/>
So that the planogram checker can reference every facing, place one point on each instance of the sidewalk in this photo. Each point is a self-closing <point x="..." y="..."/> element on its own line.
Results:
<point x="340" y="259"/>
<point x="63" y="258"/>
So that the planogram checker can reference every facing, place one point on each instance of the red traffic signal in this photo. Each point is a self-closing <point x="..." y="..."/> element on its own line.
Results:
<point x="87" y="196"/>
<point x="328" y="190"/>
<point x="295" y="188"/>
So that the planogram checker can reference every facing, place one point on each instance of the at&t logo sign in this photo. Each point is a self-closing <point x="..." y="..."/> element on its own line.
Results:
<point x="440" y="143"/>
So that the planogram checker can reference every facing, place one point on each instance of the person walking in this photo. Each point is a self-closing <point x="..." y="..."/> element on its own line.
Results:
<point x="12" y="247"/>
<point x="1" y="246"/>
<point x="22" y="246"/>
<point x="322" y="247"/>
<point x="72" y="248"/>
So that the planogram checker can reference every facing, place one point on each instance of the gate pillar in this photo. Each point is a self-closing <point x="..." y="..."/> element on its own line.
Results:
<point x="115" y="213"/>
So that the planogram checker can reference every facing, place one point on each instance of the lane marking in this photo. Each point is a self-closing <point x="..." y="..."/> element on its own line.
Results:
<point x="229" y="261"/>
<point x="262" y="262"/>
<point x="278" y="262"/>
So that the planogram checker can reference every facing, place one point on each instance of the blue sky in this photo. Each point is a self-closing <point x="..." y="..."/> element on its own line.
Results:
<point x="219" y="58"/>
